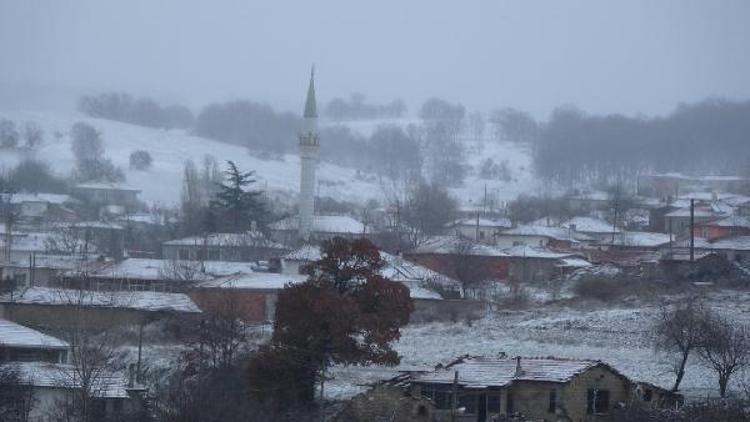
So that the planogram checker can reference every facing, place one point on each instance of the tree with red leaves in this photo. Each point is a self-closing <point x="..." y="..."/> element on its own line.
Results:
<point x="345" y="313"/>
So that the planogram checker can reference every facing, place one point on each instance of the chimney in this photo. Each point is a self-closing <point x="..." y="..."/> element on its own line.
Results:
<point x="131" y="375"/>
<point x="519" y="370"/>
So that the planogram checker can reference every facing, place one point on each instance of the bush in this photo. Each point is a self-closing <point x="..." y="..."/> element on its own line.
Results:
<point x="601" y="289"/>
<point x="140" y="160"/>
<point x="8" y="134"/>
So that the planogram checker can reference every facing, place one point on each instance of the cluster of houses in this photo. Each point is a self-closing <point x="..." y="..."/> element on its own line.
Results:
<point x="59" y="266"/>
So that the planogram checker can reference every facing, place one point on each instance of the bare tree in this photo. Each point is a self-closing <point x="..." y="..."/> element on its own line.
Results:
<point x="725" y="348"/>
<point x="464" y="267"/>
<point x="33" y="135"/>
<point x="679" y="331"/>
<point x="16" y="397"/>
<point x="93" y="356"/>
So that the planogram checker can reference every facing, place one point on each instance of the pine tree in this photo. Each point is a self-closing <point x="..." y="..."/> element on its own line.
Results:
<point x="235" y="205"/>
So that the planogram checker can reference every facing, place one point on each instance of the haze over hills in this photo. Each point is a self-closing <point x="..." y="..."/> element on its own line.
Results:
<point x="170" y="149"/>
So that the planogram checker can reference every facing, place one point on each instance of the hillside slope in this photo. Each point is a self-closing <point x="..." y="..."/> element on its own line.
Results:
<point x="170" y="149"/>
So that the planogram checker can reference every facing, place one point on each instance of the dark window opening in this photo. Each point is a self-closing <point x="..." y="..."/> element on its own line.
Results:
<point x="509" y="403"/>
<point x="648" y="394"/>
<point x="493" y="403"/>
<point x="469" y="402"/>
<point x="597" y="402"/>
<point x="552" y="406"/>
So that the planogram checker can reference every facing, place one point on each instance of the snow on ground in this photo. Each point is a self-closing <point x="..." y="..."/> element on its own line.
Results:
<point x="170" y="149"/>
<point x="616" y="335"/>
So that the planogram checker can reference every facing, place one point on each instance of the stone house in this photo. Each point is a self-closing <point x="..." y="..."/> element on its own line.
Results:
<point x="478" y="229"/>
<point x="324" y="227"/>
<point x="114" y="198"/>
<point x="248" y="296"/>
<point x="56" y="309"/>
<point x="19" y="343"/>
<point x="235" y="247"/>
<point x="540" y="389"/>
<point x="541" y="236"/>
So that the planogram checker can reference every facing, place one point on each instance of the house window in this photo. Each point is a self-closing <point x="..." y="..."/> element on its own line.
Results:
<point x="648" y="394"/>
<point x="184" y="254"/>
<point x="481" y="235"/>
<point x="442" y="395"/>
<point x="493" y="403"/>
<point x="597" y="402"/>
<point x="213" y="255"/>
<point x="509" y="403"/>
<point x="552" y="406"/>
<point x="469" y="402"/>
<point x="117" y="406"/>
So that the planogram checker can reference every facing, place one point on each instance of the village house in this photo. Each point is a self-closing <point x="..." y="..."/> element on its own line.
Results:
<point x="723" y="227"/>
<point x="110" y="197"/>
<point x="589" y="201"/>
<point x="674" y="184"/>
<point x="450" y="255"/>
<point x="59" y="309"/>
<point x="236" y="247"/>
<point x="540" y="389"/>
<point x="50" y="386"/>
<point x="249" y="296"/>
<point x="478" y="229"/>
<point x="527" y="264"/>
<point x="677" y="222"/>
<point x="323" y="227"/>
<point x="23" y="344"/>
<point x="544" y="236"/>
<point x="39" y="270"/>
<point x="38" y="208"/>
<point x="146" y="274"/>
<point x="595" y="228"/>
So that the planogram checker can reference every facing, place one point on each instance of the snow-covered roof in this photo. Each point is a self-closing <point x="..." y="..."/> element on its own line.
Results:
<point x="106" y="186"/>
<point x="307" y="253"/>
<point x="399" y="269"/>
<point x="97" y="225"/>
<point x="482" y="222"/>
<point x="739" y="243"/>
<point x="16" y="335"/>
<point x="138" y="300"/>
<point x="324" y="224"/>
<point x="700" y="212"/>
<point x="732" y="221"/>
<point x="574" y="263"/>
<point x="449" y="245"/>
<point x="50" y="198"/>
<point x="142" y="218"/>
<point x="557" y="233"/>
<point x="417" y="292"/>
<point x="593" y="196"/>
<point x="53" y="375"/>
<point x="249" y="238"/>
<point x="589" y="225"/>
<point x="640" y="239"/>
<point x="55" y="262"/>
<point x="483" y="372"/>
<point x="164" y="269"/>
<point x="524" y="251"/>
<point x="253" y="281"/>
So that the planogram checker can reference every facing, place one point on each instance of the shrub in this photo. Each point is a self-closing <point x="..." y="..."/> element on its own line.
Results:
<point x="140" y="160"/>
<point x="601" y="289"/>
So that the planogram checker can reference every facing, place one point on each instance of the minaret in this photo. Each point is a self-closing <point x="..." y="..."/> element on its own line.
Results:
<point x="309" y="147"/>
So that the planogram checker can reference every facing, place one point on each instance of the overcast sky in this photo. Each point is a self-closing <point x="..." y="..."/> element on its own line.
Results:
<point x="603" y="56"/>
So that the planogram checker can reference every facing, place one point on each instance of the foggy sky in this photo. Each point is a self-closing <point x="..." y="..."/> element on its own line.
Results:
<point x="603" y="56"/>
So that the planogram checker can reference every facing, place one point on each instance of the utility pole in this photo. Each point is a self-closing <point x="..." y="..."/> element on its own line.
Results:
<point x="454" y="397"/>
<point x="692" y="230"/>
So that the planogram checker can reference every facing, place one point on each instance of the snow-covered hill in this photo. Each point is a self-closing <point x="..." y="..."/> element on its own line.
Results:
<point x="171" y="148"/>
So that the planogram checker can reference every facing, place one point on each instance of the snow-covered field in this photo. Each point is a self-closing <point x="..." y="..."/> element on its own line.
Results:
<point x="617" y="335"/>
<point x="171" y="148"/>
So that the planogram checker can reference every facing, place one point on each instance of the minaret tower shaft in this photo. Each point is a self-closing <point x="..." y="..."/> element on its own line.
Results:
<point x="309" y="150"/>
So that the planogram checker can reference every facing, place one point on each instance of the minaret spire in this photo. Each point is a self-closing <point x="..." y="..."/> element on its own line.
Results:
<point x="311" y="109"/>
<point x="308" y="151"/>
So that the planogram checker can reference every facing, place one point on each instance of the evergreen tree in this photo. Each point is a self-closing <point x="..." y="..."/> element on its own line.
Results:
<point x="235" y="205"/>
